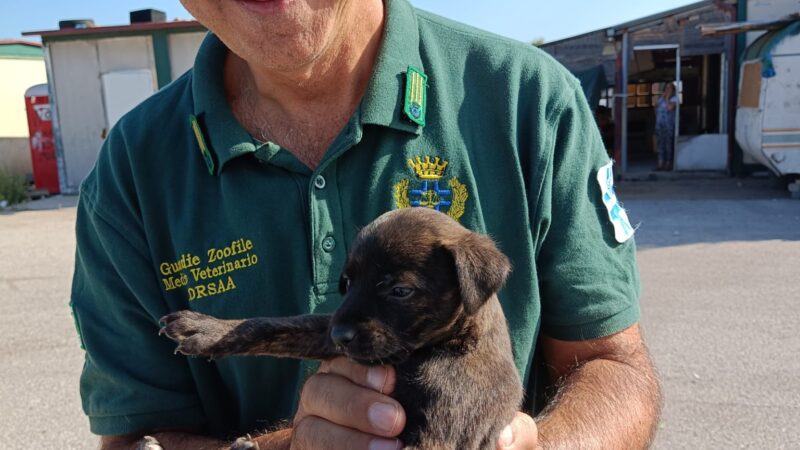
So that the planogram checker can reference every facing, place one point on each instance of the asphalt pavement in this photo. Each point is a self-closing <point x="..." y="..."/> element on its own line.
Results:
<point x="721" y="302"/>
<point x="720" y="265"/>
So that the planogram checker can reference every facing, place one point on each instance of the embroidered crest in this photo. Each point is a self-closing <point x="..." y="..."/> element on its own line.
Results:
<point x="619" y="218"/>
<point x="430" y="193"/>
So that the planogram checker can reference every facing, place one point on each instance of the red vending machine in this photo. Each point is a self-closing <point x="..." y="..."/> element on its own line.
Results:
<point x="43" y="149"/>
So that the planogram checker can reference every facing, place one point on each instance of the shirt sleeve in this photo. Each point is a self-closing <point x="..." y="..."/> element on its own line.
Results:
<point x="131" y="381"/>
<point x="588" y="280"/>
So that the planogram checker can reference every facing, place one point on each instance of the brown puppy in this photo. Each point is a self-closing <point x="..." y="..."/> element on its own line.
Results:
<point x="419" y="293"/>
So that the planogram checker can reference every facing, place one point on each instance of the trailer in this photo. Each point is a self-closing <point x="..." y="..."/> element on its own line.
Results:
<point x="768" y="114"/>
<point x="768" y="109"/>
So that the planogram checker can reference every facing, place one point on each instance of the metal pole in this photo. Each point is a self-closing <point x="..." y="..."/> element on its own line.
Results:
<point x="678" y="89"/>
<point x="624" y="94"/>
<point x="61" y="159"/>
<point x="723" y="94"/>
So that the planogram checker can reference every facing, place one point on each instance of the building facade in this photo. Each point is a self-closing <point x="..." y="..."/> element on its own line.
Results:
<point x="97" y="74"/>
<point x="21" y="66"/>
<point x="640" y="57"/>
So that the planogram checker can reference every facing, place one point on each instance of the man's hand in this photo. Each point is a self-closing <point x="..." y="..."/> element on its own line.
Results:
<point x="345" y="406"/>
<point x="521" y="434"/>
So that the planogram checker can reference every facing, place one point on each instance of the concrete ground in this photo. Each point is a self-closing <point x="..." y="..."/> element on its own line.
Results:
<point x="720" y="299"/>
<point x="40" y="355"/>
<point x="721" y="296"/>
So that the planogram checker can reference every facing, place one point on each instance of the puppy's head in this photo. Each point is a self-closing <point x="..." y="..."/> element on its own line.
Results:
<point x="411" y="277"/>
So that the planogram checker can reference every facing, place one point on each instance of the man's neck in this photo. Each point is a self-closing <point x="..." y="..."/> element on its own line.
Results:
<point x="341" y="72"/>
<point x="335" y="80"/>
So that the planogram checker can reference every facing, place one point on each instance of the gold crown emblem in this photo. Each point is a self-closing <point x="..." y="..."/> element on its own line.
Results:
<point x="428" y="170"/>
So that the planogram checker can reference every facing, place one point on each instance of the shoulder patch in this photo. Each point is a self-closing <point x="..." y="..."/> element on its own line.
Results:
<point x="416" y="96"/>
<point x="201" y="142"/>
<point x="616" y="214"/>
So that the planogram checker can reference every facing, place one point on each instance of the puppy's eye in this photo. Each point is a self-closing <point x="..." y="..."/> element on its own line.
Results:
<point x="402" y="292"/>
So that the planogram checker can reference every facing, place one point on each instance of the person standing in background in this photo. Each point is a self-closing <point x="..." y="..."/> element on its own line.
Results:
<point x="665" y="127"/>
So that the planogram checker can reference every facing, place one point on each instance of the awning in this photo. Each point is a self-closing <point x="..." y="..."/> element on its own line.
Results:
<point x="717" y="29"/>
<point x="761" y="48"/>
<point x="593" y="81"/>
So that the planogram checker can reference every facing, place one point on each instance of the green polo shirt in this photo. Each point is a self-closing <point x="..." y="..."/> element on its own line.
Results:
<point x="184" y="209"/>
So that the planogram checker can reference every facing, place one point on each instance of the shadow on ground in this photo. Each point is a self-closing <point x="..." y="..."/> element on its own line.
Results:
<point x="44" y="204"/>
<point x="671" y="213"/>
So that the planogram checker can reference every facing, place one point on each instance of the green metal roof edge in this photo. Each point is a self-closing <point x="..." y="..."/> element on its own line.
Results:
<point x="20" y="51"/>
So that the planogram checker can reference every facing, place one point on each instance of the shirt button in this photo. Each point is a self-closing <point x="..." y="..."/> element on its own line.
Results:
<point x="319" y="182"/>
<point x="328" y="244"/>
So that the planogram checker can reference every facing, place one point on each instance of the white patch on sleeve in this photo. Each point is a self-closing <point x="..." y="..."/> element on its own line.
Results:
<point x="618" y="217"/>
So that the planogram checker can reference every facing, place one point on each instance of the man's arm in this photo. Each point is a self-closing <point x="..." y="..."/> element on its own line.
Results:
<point x="172" y="440"/>
<point x="343" y="406"/>
<point x="608" y="395"/>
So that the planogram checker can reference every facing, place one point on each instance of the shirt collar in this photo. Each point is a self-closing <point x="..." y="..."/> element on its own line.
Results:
<point x="382" y="103"/>
<point x="225" y="135"/>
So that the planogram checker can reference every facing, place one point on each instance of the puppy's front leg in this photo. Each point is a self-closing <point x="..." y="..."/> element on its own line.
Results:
<point x="305" y="337"/>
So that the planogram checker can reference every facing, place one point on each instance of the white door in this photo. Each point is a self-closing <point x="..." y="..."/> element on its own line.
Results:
<point x="124" y="89"/>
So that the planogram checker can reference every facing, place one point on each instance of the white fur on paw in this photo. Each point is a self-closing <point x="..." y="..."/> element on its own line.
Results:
<point x="149" y="443"/>
<point x="244" y="443"/>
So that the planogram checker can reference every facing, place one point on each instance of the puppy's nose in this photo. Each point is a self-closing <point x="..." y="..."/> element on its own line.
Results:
<point x="343" y="334"/>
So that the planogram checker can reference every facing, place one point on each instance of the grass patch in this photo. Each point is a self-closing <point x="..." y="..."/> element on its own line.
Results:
<point x="12" y="188"/>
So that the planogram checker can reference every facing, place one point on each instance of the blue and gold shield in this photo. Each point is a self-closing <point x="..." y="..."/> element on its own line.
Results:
<point x="430" y="191"/>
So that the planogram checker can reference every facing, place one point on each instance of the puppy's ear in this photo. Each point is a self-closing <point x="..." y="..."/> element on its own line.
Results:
<point x="481" y="268"/>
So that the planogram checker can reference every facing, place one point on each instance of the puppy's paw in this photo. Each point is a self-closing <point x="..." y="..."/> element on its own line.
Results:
<point x="196" y="334"/>
<point x="244" y="443"/>
<point x="148" y="443"/>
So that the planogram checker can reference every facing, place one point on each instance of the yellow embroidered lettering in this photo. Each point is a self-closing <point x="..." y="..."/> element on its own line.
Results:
<point x="211" y="289"/>
<point x="186" y="261"/>
<point x="212" y="279"/>
<point x="197" y="274"/>
<point x="174" y="282"/>
<point x="236" y="247"/>
<point x="197" y="292"/>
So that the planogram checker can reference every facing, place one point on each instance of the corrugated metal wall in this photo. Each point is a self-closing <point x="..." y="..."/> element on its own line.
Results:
<point x="77" y="67"/>
<point x="182" y="50"/>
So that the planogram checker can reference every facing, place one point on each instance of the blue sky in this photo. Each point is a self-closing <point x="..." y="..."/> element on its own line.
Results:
<point x="524" y="20"/>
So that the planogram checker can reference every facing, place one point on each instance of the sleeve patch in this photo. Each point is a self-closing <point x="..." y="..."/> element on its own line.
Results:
<point x="77" y="324"/>
<point x="616" y="214"/>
